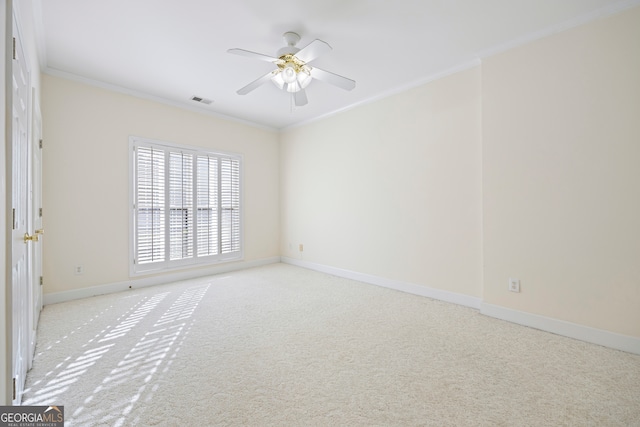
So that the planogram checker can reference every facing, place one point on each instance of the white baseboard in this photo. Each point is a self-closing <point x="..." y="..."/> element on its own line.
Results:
<point x="561" y="327"/>
<point x="411" y="288"/>
<point x="56" y="297"/>
<point x="547" y="324"/>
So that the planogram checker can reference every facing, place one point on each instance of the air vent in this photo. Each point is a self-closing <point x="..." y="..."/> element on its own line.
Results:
<point x="201" y="100"/>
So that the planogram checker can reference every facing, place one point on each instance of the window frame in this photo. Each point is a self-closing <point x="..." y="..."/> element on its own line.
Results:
<point x="136" y="269"/>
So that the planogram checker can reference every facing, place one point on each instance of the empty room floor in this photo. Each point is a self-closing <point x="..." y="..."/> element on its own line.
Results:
<point x="281" y="345"/>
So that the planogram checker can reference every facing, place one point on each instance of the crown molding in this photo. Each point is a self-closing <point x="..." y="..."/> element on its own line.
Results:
<point x="142" y="95"/>
<point x="391" y="92"/>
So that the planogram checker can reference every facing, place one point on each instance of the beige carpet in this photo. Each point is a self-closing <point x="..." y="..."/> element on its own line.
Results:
<point x="283" y="346"/>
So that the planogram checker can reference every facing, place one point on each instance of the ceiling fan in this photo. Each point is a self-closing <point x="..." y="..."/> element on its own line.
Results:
<point x="293" y="73"/>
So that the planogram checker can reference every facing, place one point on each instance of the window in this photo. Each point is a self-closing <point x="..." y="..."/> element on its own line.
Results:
<point x="185" y="206"/>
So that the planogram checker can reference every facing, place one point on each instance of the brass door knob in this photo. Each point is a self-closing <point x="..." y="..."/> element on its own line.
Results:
<point x="28" y="238"/>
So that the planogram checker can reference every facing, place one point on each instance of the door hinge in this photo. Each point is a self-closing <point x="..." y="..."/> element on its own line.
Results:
<point x="14" y="384"/>
<point x="13" y="218"/>
<point x="14" y="48"/>
<point x="41" y="280"/>
<point x="40" y="144"/>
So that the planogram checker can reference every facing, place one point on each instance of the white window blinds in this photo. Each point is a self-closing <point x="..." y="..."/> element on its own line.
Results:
<point x="186" y="206"/>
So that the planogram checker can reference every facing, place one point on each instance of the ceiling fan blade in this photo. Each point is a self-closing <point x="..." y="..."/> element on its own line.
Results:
<point x="254" y="55"/>
<point x="254" y="84"/>
<point x="300" y="98"/>
<point x="331" y="78"/>
<point x="313" y="50"/>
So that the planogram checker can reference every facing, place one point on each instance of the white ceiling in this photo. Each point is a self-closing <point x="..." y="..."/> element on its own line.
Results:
<point x="171" y="50"/>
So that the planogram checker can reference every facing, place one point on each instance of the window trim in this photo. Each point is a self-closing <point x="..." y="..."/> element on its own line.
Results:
<point x="181" y="264"/>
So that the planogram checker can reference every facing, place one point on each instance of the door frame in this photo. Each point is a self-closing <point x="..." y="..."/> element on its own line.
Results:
<point x="6" y="347"/>
<point x="34" y="212"/>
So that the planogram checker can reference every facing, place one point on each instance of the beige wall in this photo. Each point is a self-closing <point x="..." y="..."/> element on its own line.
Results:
<point x="391" y="189"/>
<point x="561" y="166"/>
<point x="526" y="167"/>
<point x="86" y="177"/>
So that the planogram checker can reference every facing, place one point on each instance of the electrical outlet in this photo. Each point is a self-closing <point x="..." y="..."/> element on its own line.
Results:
<point x="78" y="270"/>
<point x="514" y="285"/>
<point x="301" y="247"/>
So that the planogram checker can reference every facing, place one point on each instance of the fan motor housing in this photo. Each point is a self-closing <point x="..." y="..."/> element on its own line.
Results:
<point x="291" y="39"/>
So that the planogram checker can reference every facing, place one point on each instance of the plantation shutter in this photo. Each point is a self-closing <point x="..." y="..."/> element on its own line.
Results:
<point x="230" y="205"/>
<point x="207" y="201"/>
<point x="181" y="219"/>
<point x="186" y="206"/>
<point x="150" y="191"/>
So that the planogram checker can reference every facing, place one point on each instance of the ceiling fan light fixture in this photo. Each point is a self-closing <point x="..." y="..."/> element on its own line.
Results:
<point x="291" y="80"/>
<point x="289" y="74"/>
<point x="293" y="87"/>
<point x="304" y="78"/>
<point x="278" y="81"/>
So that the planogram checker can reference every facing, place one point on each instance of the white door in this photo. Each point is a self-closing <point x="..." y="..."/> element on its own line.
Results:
<point x="35" y="209"/>
<point x="21" y="281"/>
